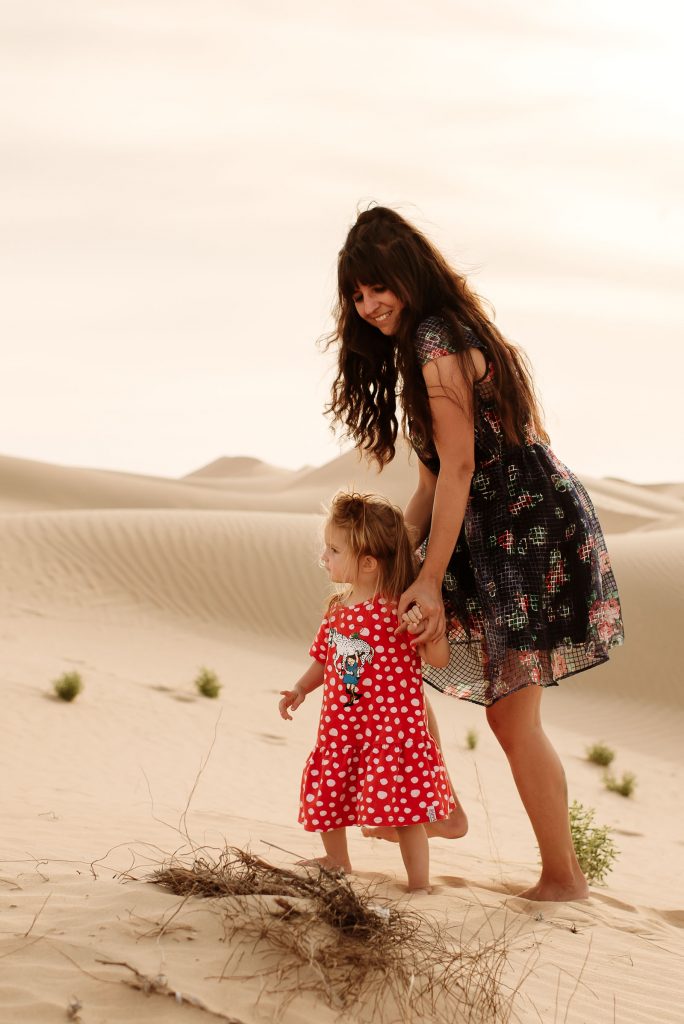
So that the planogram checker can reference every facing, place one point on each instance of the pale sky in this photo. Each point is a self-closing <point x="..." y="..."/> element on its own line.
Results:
<point x="177" y="176"/>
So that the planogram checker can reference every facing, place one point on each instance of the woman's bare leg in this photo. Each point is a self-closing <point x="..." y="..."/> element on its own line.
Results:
<point x="453" y="827"/>
<point x="539" y="776"/>
<point x="336" y="852"/>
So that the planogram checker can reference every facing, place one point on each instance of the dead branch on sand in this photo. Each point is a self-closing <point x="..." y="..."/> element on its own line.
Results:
<point x="318" y="932"/>
<point x="160" y="987"/>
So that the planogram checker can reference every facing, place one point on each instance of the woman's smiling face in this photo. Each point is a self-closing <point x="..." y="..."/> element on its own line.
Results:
<point x="379" y="306"/>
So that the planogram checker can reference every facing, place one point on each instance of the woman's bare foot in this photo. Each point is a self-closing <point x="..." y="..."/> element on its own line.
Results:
<point x="556" y="891"/>
<point x="453" y="827"/>
<point x="421" y="891"/>
<point x="325" y="862"/>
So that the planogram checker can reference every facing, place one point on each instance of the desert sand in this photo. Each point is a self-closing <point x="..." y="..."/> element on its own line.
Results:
<point x="137" y="582"/>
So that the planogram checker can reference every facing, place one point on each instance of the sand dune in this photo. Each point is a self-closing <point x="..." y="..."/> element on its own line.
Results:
<point x="248" y="484"/>
<point x="26" y="486"/>
<point x="137" y="582"/>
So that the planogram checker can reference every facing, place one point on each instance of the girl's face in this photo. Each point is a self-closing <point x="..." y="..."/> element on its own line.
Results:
<point x="337" y="559"/>
<point x="379" y="306"/>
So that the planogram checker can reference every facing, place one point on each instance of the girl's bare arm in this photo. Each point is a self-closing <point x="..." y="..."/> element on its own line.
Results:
<point x="435" y="653"/>
<point x="310" y="681"/>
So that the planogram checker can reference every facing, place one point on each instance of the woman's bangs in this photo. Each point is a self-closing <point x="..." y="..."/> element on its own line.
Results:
<point x="362" y="265"/>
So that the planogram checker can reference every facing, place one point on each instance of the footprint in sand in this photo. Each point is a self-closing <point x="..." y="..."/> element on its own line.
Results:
<point x="269" y="737"/>
<point x="673" y="917"/>
<point x="612" y="902"/>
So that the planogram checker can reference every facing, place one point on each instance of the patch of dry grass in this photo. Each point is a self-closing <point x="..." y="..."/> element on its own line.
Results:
<point x="322" y="933"/>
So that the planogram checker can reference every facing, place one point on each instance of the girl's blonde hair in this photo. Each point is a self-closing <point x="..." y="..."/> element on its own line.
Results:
<point x="376" y="527"/>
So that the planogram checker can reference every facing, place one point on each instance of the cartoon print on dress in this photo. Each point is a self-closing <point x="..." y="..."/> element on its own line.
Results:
<point x="353" y="644"/>
<point x="351" y="654"/>
<point x="351" y="671"/>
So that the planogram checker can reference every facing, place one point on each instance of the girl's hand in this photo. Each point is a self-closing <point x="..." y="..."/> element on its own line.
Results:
<point x="413" y="621"/>
<point x="430" y="615"/>
<point x="290" y="702"/>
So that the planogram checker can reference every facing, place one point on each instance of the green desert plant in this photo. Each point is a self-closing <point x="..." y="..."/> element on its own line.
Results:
<point x="624" y="786"/>
<point x="599" y="753"/>
<point x="68" y="686"/>
<point x="207" y="683"/>
<point x="594" y="847"/>
<point x="471" y="739"/>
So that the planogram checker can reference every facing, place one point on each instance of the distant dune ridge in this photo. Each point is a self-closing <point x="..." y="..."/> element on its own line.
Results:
<point x="137" y="582"/>
<point x="245" y="483"/>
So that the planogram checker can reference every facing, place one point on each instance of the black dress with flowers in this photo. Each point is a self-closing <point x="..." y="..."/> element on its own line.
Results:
<point x="529" y="591"/>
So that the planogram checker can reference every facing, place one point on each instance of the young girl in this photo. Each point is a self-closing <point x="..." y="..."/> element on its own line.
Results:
<point x="374" y="762"/>
<point x="514" y="563"/>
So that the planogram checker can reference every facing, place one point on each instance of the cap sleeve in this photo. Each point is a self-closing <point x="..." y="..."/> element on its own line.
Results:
<point x="433" y="339"/>
<point x="319" y="648"/>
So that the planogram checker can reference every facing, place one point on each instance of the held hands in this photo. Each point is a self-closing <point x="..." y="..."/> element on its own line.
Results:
<point x="429" y="621"/>
<point x="412" y="622"/>
<point x="292" y="699"/>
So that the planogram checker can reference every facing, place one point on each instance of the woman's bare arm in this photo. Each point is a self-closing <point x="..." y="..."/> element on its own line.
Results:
<point x="450" y="395"/>
<point x="449" y="392"/>
<point x="418" y="512"/>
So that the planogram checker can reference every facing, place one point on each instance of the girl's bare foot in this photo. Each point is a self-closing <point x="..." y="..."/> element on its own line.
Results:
<point x="380" y="832"/>
<point x="329" y="863"/>
<point x="453" y="827"/>
<point x="421" y="892"/>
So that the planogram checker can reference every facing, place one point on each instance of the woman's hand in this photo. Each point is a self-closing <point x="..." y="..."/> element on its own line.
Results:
<point x="428" y="595"/>
<point x="292" y="699"/>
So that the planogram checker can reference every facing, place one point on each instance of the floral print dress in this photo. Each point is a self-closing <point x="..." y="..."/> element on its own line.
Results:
<point x="529" y="591"/>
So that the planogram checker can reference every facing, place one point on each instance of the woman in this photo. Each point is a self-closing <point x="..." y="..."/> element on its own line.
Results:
<point x="514" y="564"/>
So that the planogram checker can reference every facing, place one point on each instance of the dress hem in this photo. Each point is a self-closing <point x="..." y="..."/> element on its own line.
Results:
<point x="375" y="824"/>
<point x="529" y="682"/>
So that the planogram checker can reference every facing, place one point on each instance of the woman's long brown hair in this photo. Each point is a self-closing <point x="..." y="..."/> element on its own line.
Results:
<point x="374" y="371"/>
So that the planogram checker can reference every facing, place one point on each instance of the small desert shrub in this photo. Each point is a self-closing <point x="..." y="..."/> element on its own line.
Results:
<point x="68" y="686"/>
<point x="471" y="739"/>
<point x="594" y="847"/>
<point x="207" y="683"/>
<point x="625" y="786"/>
<point x="599" y="753"/>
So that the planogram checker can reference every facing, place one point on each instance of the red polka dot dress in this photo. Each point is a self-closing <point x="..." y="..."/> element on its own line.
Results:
<point x="374" y="762"/>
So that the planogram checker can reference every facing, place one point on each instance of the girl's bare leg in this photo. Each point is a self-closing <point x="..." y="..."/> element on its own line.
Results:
<point x="539" y="776"/>
<point x="415" y="854"/>
<point x="336" y="852"/>
<point x="453" y="827"/>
